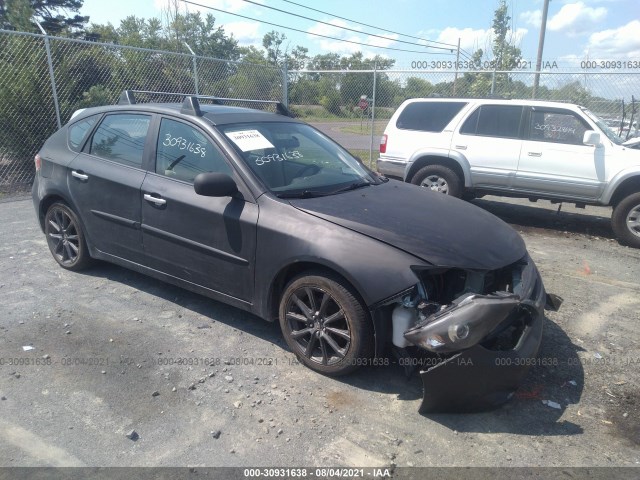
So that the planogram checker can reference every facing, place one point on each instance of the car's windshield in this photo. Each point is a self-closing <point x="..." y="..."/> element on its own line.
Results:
<point x="611" y="135"/>
<point x="294" y="159"/>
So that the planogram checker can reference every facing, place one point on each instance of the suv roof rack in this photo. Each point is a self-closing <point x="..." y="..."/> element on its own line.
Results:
<point x="191" y="105"/>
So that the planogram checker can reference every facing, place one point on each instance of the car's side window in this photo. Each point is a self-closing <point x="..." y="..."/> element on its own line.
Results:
<point x="556" y="126"/>
<point x="121" y="138"/>
<point x="428" y="116"/>
<point x="183" y="152"/>
<point x="494" y="121"/>
<point x="470" y="125"/>
<point x="79" y="130"/>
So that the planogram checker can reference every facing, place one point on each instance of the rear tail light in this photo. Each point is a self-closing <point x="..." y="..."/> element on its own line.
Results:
<point x="38" y="162"/>
<point x="383" y="144"/>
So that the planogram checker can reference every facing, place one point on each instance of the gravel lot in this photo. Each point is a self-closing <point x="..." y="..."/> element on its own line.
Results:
<point x="108" y="346"/>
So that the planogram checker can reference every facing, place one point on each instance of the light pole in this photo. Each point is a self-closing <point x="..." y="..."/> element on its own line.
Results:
<point x="543" y="29"/>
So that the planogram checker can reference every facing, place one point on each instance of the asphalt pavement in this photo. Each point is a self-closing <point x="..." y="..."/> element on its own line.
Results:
<point x="86" y="359"/>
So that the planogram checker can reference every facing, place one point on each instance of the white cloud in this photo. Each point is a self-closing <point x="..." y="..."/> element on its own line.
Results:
<point x="471" y="40"/>
<point x="226" y="5"/>
<point x="246" y="33"/>
<point x="387" y="41"/>
<point x="576" y="18"/>
<point x="336" y="30"/>
<point x="532" y="17"/>
<point x="230" y="5"/>
<point x="616" y="43"/>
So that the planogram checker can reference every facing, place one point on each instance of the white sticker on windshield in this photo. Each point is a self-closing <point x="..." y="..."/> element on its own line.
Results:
<point x="249" y="140"/>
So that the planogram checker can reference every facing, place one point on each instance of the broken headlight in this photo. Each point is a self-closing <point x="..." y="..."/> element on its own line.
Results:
<point x="462" y="324"/>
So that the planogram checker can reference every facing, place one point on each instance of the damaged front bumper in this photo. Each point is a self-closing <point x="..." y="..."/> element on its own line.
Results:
<point x="480" y="346"/>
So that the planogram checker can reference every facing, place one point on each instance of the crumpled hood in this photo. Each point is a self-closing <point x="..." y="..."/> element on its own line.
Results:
<point x="438" y="229"/>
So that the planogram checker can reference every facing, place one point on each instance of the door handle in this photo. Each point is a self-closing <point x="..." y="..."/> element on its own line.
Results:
<point x="79" y="175"/>
<point x="461" y="147"/>
<point x="156" y="200"/>
<point x="534" y="154"/>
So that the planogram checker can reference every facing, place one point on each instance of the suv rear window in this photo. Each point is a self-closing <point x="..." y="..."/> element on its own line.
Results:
<point x="428" y="116"/>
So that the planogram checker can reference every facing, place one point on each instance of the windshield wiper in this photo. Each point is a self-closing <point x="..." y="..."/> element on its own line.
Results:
<point x="312" y="193"/>
<point x="352" y="186"/>
<point x="303" y="194"/>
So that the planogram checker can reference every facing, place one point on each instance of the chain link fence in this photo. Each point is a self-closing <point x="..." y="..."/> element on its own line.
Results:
<point x="359" y="103"/>
<point x="43" y="80"/>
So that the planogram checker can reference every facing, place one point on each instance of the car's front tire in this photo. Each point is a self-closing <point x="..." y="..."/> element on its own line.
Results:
<point x="325" y="324"/>
<point x="625" y="220"/>
<point x="438" y="178"/>
<point x="65" y="237"/>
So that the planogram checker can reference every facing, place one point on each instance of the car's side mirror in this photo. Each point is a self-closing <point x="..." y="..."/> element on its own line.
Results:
<point x="215" y="185"/>
<point x="591" y="137"/>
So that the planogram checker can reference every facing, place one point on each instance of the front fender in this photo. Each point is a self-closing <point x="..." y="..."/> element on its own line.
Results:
<point x="288" y="236"/>
<point x="616" y="181"/>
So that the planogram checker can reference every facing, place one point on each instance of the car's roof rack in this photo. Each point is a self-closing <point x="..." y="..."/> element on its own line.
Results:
<point x="191" y="105"/>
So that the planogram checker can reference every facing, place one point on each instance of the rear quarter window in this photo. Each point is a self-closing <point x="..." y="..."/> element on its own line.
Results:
<point x="428" y="116"/>
<point x="78" y="132"/>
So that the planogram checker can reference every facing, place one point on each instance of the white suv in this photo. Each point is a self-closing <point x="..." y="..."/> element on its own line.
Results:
<point x="532" y="149"/>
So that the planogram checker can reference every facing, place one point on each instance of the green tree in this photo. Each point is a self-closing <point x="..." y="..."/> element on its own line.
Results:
<point x="417" y="88"/>
<point x="52" y="14"/>
<point x="356" y="84"/>
<point x="573" y="92"/>
<point x="297" y="59"/>
<point x="202" y="35"/>
<point x="251" y="54"/>
<point x="16" y="14"/>
<point x="28" y="116"/>
<point x="505" y="56"/>
<point x="326" y="61"/>
<point x="272" y="42"/>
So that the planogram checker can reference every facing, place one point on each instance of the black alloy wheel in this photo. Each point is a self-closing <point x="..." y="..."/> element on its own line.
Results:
<point x="65" y="237"/>
<point x="325" y="324"/>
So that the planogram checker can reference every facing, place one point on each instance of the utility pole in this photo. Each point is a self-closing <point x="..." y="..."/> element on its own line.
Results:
<point x="455" y="79"/>
<point x="543" y="30"/>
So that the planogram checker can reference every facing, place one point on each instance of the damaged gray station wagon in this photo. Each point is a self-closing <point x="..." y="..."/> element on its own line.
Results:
<point x="264" y="212"/>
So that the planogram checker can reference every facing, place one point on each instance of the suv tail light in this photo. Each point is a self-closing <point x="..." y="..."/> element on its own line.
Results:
<point x="383" y="144"/>
<point x="38" y="162"/>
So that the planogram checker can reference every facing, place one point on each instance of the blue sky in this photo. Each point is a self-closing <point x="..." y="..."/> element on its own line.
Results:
<point x="597" y="29"/>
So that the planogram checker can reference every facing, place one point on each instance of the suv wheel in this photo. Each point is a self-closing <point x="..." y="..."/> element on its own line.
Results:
<point x="325" y="325"/>
<point x="626" y="220"/>
<point x="439" y="179"/>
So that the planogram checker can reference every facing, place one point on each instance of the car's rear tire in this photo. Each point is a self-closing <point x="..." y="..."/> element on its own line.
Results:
<point x="65" y="237"/>
<point x="439" y="179"/>
<point x="325" y="324"/>
<point x="625" y="220"/>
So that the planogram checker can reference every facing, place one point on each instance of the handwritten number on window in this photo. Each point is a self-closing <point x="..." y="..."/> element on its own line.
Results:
<point x="182" y="144"/>
<point x="548" y="127"/>
<point x="276" y="157"/>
